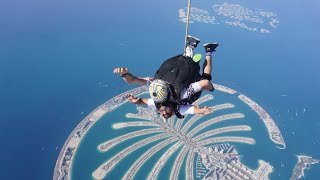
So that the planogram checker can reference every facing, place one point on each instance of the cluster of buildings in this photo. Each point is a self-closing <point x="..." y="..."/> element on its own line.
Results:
<point x="222" y="162"/>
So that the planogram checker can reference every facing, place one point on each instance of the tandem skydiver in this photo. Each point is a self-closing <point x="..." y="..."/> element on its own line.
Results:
<point x="177" y="75"/>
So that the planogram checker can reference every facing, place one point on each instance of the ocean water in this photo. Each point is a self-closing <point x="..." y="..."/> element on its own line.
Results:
<point x="56" y="60"/>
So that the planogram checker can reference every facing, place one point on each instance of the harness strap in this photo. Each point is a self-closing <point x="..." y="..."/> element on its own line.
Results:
<point x="176" y="109"/>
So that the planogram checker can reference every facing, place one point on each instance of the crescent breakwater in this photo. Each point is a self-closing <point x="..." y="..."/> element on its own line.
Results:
<point x="273" y="130"/>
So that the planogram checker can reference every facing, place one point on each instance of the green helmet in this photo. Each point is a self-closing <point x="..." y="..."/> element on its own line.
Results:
<point x="159" y="91"/>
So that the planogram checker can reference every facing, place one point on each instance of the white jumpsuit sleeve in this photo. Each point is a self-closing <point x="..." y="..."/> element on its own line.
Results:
<point x="186" y="109"/>
<point x="151" y="104"/>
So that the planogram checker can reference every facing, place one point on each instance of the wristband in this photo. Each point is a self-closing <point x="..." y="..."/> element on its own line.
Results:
<point x="138" y="99"/>
<point x="124" y="75"/>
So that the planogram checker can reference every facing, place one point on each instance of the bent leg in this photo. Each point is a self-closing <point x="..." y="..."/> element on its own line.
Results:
<point x="207" y="65"/>
<point x="205" y="84"/>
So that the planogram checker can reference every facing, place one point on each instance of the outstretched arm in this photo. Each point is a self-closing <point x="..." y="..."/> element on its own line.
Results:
<point x="136" y="100"/>
<point x="129" y="78"/>
<point x="193" y="109"/>
<point x="204" y="110"/>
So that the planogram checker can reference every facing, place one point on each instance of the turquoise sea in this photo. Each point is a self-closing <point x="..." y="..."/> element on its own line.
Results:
<point x="57" y="57"/>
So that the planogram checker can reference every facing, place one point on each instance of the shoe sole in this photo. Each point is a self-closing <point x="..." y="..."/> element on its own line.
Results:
<point x="211" y="43"/>
<point x="197" y="39"/>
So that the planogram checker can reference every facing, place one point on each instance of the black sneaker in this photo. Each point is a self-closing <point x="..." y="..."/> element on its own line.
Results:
<point x="192" y="41"/>
<point x="210" y="47"/>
